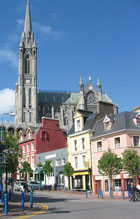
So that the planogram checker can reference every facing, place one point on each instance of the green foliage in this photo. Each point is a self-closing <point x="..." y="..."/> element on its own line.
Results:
<point x="110" y="164"/>
<point x="14" y="152"/>
<point x="68" y="169"/>
<point x="39" y="164"/>
<point x="26" y="167"/>
<point x="47" y="168"/>
<point x="131" y="162"/>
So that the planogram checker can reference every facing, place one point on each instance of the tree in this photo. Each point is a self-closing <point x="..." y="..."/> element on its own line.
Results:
<point x="110" y="165"/>
<point x="26" y="168"/>
<point x="47" y="168"/>
<point x="14" y="152"/>
<point x="131" y="163"/>
<point x="68" y="171"/>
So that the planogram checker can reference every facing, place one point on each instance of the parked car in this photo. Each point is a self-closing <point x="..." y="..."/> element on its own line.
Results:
<point x="33" y="184"/>
<point x="19" y="186"/>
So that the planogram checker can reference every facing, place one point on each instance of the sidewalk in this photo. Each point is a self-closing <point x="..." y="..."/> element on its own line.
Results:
<point x="14" y="208"/>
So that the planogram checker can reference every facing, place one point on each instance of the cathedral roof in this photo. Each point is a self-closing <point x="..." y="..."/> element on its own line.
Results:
<point x="57" y="97"/>
<point x="28" y="25"/>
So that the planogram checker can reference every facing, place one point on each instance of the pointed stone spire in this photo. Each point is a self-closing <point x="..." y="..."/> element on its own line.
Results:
<point x="81" y="81"/>
<point x="98" y="83"/>
<point x="81" y="84"/>
<point x="28" y="25"/>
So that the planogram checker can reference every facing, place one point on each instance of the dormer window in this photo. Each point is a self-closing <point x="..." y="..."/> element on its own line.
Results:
<point x="138" y="121"/>
<point x="107" y="123"/>
<point x="78" y="124"/>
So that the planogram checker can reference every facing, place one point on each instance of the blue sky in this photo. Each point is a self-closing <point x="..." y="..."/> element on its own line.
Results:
<point x="97" y="38"/>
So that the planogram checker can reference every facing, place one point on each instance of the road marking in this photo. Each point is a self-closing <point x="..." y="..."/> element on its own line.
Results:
<point x="44" y="208"/>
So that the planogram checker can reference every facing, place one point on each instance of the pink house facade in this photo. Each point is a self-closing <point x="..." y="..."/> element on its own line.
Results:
<point x="118" y="133"/>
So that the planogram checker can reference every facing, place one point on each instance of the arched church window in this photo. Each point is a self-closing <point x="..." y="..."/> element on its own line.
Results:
<point x="30" y="103"/>
<point x="24" y="97"/>
<point x="27" y="64"/>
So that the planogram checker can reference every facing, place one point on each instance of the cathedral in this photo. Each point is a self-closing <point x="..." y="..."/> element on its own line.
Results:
<point x="31" y="104"/>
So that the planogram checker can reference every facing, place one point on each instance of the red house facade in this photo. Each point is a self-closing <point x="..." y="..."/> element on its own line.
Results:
<point x="38" y="140"/>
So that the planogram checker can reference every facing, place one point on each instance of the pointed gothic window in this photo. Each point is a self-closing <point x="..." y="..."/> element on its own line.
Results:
<point x="27" y="64"/>
<point x="30" y="102"/>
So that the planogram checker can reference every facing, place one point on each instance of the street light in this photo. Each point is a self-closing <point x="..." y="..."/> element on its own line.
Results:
<point x="1" y="183"/>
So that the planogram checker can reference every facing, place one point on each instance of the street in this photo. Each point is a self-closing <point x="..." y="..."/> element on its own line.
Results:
<point x="64" y="205"/>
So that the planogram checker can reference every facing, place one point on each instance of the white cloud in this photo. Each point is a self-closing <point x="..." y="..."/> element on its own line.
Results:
<point x="7" y="100"/>
<point x="48" y="31"/>
<point x="7" y="55"/>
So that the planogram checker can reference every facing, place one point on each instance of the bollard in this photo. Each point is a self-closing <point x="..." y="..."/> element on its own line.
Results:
<point x="9" y="194"/>
<point x="81" y="191"/>
<point x="86" y="193"/>
<point x="123" y="195"/>
<point x="31" y="199"/>
<point x="22" y="201"/>
<point x="24" y="195"/>
<point x="110" y="191"/>
<point x="5" y="204"/>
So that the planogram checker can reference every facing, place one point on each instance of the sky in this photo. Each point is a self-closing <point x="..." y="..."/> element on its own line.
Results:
<point x="97" y="38"/>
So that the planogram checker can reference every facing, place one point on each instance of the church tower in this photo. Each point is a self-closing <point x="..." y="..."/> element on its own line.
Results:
<point x="26" y="87"/>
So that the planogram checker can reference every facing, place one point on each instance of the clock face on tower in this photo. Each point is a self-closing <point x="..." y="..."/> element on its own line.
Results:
<point x="91" y="98"/>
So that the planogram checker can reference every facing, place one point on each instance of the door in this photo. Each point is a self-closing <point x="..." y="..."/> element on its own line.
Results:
<point x="98" y="185"/>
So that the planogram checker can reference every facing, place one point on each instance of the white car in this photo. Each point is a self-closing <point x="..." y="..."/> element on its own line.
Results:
<point x="19" y="186"/>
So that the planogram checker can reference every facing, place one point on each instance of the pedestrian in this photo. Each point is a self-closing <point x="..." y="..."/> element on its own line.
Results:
<point x="133" y="191"/>
<point x="128" y="189"/>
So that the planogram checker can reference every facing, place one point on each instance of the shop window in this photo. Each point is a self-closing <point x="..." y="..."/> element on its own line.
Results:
<point x="117" y="184"/>
<point x="106" y="185"/>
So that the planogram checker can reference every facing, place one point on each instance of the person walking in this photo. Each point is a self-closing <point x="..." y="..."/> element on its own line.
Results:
<point x="132" y="190"/>
<point x="128" y="189"/>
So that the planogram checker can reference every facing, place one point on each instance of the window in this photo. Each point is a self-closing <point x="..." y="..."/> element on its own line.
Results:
<point x="75" y="145"/>
<point x="117" y="142"/>
<point x="30" y="97"/>
<point x="32" y="160"/>
<point x="32" y="146"/>
<point x="78" y="124"/>
<point x="27" y="64"/>
<point x="27" y="159"/>
<point x="27" y="147"/>
<point x="83" y="144"/>
<point x="76" y="162"/>
<point x="23" y="149"/>
<point x="136" y="141"/>
<point x="83" y="161"/>
<point x="56" y="162"/>
<point x="138" y="121"/>
<point x="106" y="185"/>
<point x="107" y="125"/>
<point x="99" y="146"/>
<point x="63" y="161"/>
<point x="30" y="117"/>
<point x="117" y="184"/>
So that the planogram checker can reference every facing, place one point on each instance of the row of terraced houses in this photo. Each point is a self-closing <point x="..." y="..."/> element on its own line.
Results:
<point x="90" y="136"/>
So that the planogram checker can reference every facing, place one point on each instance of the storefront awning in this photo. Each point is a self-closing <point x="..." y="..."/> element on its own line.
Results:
<point x="81" y="173"/>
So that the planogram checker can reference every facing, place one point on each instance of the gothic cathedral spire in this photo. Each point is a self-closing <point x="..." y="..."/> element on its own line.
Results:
<point x="26" y="87"/>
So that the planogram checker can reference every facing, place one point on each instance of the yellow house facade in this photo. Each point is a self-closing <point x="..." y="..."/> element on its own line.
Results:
<point x="79" y="152"/>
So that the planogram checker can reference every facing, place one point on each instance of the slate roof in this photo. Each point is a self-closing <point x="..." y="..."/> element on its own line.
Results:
<point x="57" y="97"/>
<point x="32" y="137"/>
<point x="121" y="121"/>
<point x="88" y="124"/>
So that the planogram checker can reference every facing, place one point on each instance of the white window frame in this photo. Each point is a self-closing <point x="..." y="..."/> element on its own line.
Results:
<point x="75" y="145"/>
<point x="139" y="140"/>
<point x="23" y="149"/>
<point x="118" y="145"/>
<point x="99" y="148"/>
<point x="76" y="163"/>
<point x="28" y="148"/>
<point x="83" y="160"/>
<point x="82" y="144"/>
<point x="32" y="146"/>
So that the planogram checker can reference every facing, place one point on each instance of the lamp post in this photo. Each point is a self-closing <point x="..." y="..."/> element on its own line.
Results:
<point x="1" y="183"/>
<point x="39" y="172"/>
